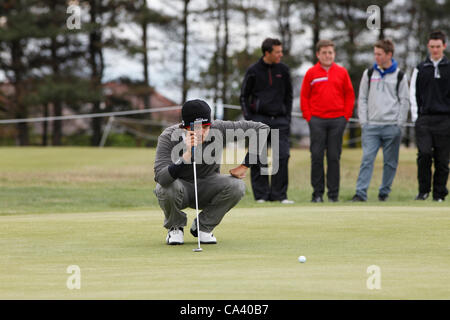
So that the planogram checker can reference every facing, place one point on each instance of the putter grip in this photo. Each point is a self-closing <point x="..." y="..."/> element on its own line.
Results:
<point x="192" y="149"/>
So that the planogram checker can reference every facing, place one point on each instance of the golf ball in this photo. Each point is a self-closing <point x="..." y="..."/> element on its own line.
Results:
<point x="302" y="259"/>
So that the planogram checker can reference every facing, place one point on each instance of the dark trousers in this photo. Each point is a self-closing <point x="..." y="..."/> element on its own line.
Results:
<point x="326" y="135"/>
<point x="276" y="188"/>
<point x="433" y="144"/>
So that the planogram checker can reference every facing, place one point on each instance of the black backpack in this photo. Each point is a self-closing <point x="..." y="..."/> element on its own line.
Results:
<point x="400" y="75"/>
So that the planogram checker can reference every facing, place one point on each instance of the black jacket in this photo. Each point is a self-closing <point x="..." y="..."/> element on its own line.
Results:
<point x="433" y="94"/>
<point x="267" y="90"/>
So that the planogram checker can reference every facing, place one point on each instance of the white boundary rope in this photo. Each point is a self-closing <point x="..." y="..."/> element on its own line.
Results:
<point x="299" y="115"/>
<point x="130" y="112"/>
<point x="90" y="115"/>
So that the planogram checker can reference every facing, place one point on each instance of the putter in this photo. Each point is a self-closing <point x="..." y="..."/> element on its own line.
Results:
<point x="197" y="125"/>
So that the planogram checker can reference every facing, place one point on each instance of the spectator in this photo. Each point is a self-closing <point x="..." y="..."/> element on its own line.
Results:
<point x="266" y="96"/>
<point x="430" y="110"/>
<point x="327" y="102"/>
<point x="383" y="106"/>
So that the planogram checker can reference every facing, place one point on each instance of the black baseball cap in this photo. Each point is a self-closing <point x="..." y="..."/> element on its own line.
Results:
<point x="195" y="110"/>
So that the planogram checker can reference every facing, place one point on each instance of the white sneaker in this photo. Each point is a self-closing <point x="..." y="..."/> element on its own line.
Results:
<point x="260" y="201"/>
<point x="286" y="201"/>
<point x="175" y="236"/>
<point x="207" y="238"/>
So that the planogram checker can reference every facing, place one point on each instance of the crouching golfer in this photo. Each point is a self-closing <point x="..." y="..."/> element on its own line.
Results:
<point x="217" y="193"/>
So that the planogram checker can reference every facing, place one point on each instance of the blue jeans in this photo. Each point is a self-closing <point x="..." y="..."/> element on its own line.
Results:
<point x="373" y="137"/>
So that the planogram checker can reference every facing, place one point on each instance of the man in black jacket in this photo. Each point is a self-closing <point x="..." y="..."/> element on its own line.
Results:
<point x="266" y="96"/>
<point x="430" y="110"/>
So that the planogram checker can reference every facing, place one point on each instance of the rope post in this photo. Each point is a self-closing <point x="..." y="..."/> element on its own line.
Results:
<point x="106" y="131"/>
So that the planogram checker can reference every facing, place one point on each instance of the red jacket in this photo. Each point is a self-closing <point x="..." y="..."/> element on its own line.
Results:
<point x="327" y="94"/>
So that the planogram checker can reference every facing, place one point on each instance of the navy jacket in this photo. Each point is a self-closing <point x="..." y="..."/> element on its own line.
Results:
<point x="267" y="90"/>
<point x="433" y="94"/>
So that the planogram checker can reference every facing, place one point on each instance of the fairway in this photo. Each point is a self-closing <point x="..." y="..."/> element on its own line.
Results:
<point x="94" y="208"/>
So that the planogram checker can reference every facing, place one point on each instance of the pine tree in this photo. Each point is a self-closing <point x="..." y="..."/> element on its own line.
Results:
<point x="103" y="15"/>
<point x="16" y="34"/>
<point x="140" y="14"/>
<point x="61" y="52"/>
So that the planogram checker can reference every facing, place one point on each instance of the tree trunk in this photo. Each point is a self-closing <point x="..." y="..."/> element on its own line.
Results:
<point x="45" y="126"/>
<point x="225" y="59"/>
<point x="351" y="60"/>
<point x="246" y="31"/>
<point x="185" y="47"/>
<point x="284" y="27"/>
<point x="316" y="30"/>
<point x="96" y="64"/>
<point x="413" y="16"/>
<point x="21" y="108"/>
<point x="145" y="63"/>
<point x="96" y="125"/>
<point x="216" y="57"/>
<point x="381" y="33"/>
<point x="57" y="125"/>
<point x="144" y="27"/>
<point x="57" y="105"/>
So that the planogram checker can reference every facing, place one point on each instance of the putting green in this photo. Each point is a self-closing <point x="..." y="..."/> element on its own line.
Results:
<point x="123" y="255"/>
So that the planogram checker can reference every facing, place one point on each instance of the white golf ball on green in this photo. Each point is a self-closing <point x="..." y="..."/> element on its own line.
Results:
<point x="302" y="259"/>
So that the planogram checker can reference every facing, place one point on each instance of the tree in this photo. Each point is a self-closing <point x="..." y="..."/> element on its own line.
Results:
<point x="349" y="22"/>
<point x="249" y="10"/>
<point x="310" y="14"/>
<point x="222" y="78"/>
<point x="103" y="16"/>
<point x="144" y="17"/>
<point x="211" y="76"/>
<point x="15" y="37"/>
<point x="287" y="11"/>
<point x="226" y="40"/>
<point x="61" y="52"/>
<point x="185" y="86"/>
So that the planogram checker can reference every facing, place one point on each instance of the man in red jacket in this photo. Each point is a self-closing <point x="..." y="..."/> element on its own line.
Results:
<point x="327" y="102"/>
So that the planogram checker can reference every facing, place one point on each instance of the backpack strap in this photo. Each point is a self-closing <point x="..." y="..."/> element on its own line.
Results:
<point x="369" y="75"/>
<point x="400" y="75"/>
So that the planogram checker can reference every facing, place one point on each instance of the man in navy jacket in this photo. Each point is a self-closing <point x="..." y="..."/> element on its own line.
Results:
<point x="266" y="96"/>
<point x="430" y="110"/>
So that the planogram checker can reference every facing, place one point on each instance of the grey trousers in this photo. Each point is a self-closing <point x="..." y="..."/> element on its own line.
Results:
<point x="217" y="194"/>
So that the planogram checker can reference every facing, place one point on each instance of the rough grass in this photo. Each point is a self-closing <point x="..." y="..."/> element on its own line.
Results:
<point x="39" y="180"/>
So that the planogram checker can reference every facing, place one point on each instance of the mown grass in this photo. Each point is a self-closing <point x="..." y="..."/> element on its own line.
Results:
<point x="122" y="255"/>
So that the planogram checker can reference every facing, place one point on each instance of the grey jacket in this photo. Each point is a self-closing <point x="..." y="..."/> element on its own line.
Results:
<point x="171" y="139"/>
<point x="382" y="106"/>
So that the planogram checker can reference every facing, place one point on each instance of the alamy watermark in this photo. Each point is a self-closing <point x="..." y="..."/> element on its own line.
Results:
<point x="73" y="22"/>
<point x="374" y="280"/>
<point x="374" y="19"/>
<point x="74" y="280"/>
<point x="211" y="151"/>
